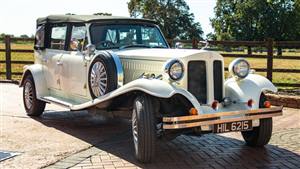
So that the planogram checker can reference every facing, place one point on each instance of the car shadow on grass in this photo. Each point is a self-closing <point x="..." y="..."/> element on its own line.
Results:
<point x="113" y="136"/>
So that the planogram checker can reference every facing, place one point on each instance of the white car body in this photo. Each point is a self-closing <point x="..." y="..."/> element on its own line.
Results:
<point x="61" y="77"/>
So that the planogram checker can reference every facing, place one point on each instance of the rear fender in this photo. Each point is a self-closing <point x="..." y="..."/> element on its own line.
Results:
<point x="36" y="71"/>
<point x="249" y="88"/>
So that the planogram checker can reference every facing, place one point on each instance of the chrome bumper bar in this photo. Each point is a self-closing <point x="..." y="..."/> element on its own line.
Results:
<point x="218" y="118"/>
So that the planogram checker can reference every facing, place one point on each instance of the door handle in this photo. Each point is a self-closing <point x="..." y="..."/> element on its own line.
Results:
<point x="59" y="63"/>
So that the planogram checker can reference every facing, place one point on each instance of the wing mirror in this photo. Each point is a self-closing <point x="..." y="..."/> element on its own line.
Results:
<point x="178" y="45"/>
<point x="90" y="49"/>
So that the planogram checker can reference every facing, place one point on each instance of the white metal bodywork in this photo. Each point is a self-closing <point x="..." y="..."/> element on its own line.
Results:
<point x="64" y="75"/>
<point x="138" y="61"/>
<point x="72" y="76"/>
<point x="40" y="82"/>
<point x="249" y="88"/>
<point x="153" y="87"/>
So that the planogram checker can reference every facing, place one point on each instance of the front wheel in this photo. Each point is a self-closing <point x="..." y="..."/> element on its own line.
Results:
<point x="144" y="128"/>
<point x="260" y="135"/>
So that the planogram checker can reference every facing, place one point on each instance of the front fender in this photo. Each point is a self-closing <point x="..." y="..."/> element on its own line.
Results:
<point x="153" y="87"/>
<point x="249" y="88"/>
<point x="36" y="71"/>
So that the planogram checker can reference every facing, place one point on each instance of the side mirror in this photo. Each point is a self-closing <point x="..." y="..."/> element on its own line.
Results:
<point x="90" y="49"/>
<point x="178" y="45"/>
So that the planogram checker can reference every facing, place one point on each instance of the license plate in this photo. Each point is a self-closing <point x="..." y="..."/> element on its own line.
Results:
<point x="233" y="126"/>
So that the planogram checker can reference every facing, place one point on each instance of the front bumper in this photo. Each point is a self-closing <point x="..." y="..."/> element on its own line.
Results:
<point x="218" y="118"/>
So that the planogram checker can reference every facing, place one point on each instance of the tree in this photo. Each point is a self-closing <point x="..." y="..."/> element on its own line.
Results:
<point x="103" y="14"/>
<point x="2" y="35"/>
<point x="257" y="19"/>
<point x="24" y="36"/>
<point x="173" y="17"/>
<point x="211" y="36"/>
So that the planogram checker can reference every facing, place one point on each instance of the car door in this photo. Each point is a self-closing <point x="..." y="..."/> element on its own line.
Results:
<point x="52" y="58"/>
<point x="74" y="72"/>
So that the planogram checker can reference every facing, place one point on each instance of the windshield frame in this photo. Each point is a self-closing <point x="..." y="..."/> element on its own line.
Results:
<point x="126" y="23"/>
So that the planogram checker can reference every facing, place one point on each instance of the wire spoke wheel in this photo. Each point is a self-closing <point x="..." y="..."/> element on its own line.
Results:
<point x="28" y="95"/>
<point x="32" y="105"/>
<point x="98" y="79"/>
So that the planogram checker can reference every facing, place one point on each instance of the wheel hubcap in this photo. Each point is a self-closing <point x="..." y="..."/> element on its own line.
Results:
<point x="98" y="79"/>
<point x="28" y="95"/>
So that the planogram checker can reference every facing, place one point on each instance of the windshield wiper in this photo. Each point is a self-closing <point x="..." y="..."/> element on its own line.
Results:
<point x="134" y="45"/>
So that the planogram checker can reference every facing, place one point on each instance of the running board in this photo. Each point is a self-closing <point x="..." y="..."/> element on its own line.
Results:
<point x="56" y="101"/>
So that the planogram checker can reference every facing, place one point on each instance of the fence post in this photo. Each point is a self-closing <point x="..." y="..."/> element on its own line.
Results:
<point x="195" y="43"/>
<point x="249" y="50"/>
<point x="8" y="57"/>
<point x="279" y="51"/>
<point x="170" y="42"/>
<point x="269" y="46"/>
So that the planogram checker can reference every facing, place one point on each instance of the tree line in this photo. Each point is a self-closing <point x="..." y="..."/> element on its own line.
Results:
<point x="234" y="19"/>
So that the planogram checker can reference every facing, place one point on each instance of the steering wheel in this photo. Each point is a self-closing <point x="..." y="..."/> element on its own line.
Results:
<point x="105" y="43"/>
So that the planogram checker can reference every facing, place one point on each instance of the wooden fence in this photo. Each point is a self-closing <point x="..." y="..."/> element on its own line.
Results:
<point x="8" y="53"/>
<point x="269" y="44"/>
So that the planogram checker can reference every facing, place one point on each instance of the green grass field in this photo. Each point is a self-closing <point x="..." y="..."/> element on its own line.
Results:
<point x="255" y="63"/>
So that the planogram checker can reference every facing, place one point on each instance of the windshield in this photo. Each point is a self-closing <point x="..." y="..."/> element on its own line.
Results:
<point x="126" y="35"/>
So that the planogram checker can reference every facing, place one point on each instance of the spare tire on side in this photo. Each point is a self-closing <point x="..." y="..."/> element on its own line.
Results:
<point x="102" y="76"/>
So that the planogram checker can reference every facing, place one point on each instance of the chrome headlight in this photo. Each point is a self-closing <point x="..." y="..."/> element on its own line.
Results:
<point x="174" y="68"/>
<point x="239" y="67"/>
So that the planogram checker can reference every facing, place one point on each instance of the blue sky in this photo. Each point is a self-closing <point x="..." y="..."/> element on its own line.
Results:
<point x="18" y="16"/>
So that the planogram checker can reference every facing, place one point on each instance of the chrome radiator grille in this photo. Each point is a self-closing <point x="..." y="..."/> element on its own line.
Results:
<point x="197" y="80"/>
<point x="218" y="80"/>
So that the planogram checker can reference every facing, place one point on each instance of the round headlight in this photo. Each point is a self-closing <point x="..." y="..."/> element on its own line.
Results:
<point x="239" y="67"/>
<point x="175" y="69"/>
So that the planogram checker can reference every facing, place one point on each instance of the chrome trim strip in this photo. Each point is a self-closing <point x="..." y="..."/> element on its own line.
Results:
<point x="56" y="101"/>
<point x="120" y="72"/>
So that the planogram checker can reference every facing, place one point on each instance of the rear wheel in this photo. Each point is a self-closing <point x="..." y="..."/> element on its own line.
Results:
<point x="261" y="135"/>
<point x="33" y="106"/>
<point x="144" y="128"/>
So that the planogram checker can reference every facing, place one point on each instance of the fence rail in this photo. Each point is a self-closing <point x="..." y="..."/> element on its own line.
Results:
<point x="269" y="44"/>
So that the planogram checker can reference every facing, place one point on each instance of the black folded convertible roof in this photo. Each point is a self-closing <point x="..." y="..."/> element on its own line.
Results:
<point x="86" y="19"/>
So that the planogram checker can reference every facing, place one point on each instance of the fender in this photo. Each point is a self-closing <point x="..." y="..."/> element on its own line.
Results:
<point x="153" y="87"/>
<point x="38" y="77"/>
<point x="249" y="88"/>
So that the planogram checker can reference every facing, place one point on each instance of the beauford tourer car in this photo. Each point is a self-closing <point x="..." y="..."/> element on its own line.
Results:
<point x="125" y="67"/>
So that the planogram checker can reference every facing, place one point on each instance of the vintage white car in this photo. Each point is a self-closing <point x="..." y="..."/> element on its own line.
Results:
<point x="125" y="67"/>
